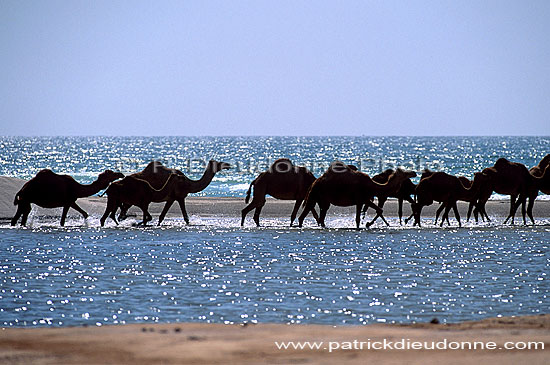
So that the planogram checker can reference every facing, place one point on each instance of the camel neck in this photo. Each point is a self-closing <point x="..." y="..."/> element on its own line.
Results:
<point x="199" y="185"/>
<point x="90" y="189"/>
<point x="390" y="185"/>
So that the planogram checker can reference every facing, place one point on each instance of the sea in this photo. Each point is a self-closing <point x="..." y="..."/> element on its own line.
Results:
<point x="214" y="271"/>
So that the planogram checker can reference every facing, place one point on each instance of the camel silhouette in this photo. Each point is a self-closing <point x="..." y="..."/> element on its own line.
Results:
<point x="447" y="189"/>
<point x="138" y="192"/>
<point x="50" y="190"/>
<point x="282" y="180"/>
<point x="157" y="174"/>
<point x="342" y="186"/>
<point x="404" y="193"/>
<point x="540" y="176"/>
<point x="507" y="178"/>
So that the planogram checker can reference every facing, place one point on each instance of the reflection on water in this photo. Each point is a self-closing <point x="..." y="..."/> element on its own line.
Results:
<point x="214" y="271"/>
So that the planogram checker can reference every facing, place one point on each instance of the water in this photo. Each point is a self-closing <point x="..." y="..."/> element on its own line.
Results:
<point x="215" y="271"/>
<point x="86" y="157"/>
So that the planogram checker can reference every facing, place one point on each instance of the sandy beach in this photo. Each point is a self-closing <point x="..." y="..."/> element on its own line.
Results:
<point x="196" y="343"/>
<point x="232" y="206"/>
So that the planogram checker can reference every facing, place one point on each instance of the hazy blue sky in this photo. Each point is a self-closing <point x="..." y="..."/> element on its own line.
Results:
<point x="274" y="67"/>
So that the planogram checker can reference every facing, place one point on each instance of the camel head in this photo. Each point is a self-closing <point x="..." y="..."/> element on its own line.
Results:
<point x="403" y="174"/>
<point x="544" y="162"/>
<point x="216" y="166"/>
<point x="108" y="176"/>
<point x="426" y="173"/>
<point x="480" y="179"/>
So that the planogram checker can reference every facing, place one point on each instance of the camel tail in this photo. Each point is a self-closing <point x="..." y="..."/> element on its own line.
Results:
<point x="308" y="194"/>
<point x="16" y="200"/>
<point x="247" y="199"/>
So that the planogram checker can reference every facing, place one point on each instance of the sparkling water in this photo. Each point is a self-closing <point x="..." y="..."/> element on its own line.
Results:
<point x="215" y="271"/>
<point x="85" y="157"/>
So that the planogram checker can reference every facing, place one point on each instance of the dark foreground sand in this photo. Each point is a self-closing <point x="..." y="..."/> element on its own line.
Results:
<point x="195" y="343"/>
<point x="231" y="207"/>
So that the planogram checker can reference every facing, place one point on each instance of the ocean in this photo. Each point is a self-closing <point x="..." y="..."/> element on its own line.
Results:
<point x="85" y="157"/>
<point x="214" y="271"/>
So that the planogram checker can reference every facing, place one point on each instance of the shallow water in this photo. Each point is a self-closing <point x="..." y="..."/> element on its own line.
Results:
<point x="215" y="271"/>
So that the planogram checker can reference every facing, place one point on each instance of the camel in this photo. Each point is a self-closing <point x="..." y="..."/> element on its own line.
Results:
<point x="467" y="183"/>
<point x="404" y="192"/>
<point x="342" y="186"/>
<point x="138" y="192"/>
<point x="508" y="178"/>
<point x="540" y="178"/>
<point x="50" y="190"/>
<point x="157" y="174"/>
<point x="282" y="181"/>
<point x="447" y="189"/>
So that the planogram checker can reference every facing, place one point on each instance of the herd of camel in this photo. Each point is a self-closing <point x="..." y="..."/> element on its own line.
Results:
<point x="340" y="185"/>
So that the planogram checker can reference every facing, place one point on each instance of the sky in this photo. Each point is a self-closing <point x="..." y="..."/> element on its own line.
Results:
<point x="198" y="68"/>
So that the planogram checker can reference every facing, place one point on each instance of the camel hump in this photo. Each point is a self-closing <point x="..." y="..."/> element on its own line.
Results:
<point x="152" y="167"/>
<point x="339" y="167"/>
<point x="282" y="166"/>
<point x="45" y="173"/>
<point x="502" y="163"/>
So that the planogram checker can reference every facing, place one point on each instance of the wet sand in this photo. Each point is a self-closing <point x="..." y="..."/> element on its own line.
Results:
<point x="232" y="206"/>
<point x="197" y="343"/>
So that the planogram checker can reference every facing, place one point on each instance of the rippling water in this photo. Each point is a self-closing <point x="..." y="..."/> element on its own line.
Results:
<point x="214" y="271"/>
<point x="85" y="157"/>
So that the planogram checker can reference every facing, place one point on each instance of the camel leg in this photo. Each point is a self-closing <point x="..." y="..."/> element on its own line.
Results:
<point x="445" y="214"/>
<point x="295" y="210"/>
<point x="400" y="210"/>
<point x="417" y="211"/>
<point x="110" y="209"/>
<point x="457" y="216"/>
<point x="315" y="215"/>
<point x="17" y="214"/>
<point x="181" y="203"/>
<point x="310" y="206"/>
<point x="165" y="210"/>
<point x="322" y="214"/>
<point x="378" y="214"/>
<point x="247" y="209"/>
<point x="64" y="214"/>
<point x="146" y="216"/>
<point x="123" y="211"/>
<point x="26" y="213"/>
<point x="257" y="213"/>
<point x="439" y="210"/>
<point x="530" y="208"/>
<point x="79" y="210"/>
<point x="358" y="215"/>
<point x="484" y="213"/>
<point x="523" y="202"/>
<point x="470" y="209"/>
<point x="23" y="209"/>
<point x="512" y="209"/>
<point x="409" y="218"/>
